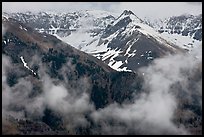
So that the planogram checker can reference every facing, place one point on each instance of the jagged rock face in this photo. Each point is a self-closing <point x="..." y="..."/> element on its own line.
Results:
<point x="186" y="25"/>
<point x="130" y="44"/>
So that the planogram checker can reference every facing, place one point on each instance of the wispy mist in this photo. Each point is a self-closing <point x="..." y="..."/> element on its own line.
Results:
<point x="154" y="111"/>
<point x="72" y="103"/>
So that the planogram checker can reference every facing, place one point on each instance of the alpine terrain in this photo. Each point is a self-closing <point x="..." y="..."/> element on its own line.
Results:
<point x="92" y="72"/>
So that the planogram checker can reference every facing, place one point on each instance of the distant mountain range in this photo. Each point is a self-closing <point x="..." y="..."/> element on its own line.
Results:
<point x="186" y="25"/>
<point x="183" y="30"/>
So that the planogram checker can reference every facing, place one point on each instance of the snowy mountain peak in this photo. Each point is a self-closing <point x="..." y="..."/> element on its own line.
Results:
<point x="127" y="12"/>
<point x="129" y="16"/>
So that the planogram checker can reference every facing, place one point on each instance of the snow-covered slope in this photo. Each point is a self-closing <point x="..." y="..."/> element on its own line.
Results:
<point x="75" y="28"/>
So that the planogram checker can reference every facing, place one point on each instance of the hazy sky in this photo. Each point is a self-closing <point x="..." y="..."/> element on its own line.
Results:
<point x="141" y="9"/>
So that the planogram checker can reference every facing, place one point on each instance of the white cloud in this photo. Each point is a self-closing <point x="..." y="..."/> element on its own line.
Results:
<point x="3" y="29"/>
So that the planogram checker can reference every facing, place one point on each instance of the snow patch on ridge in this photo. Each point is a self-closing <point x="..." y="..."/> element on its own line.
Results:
<point x="26" y="66"/>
